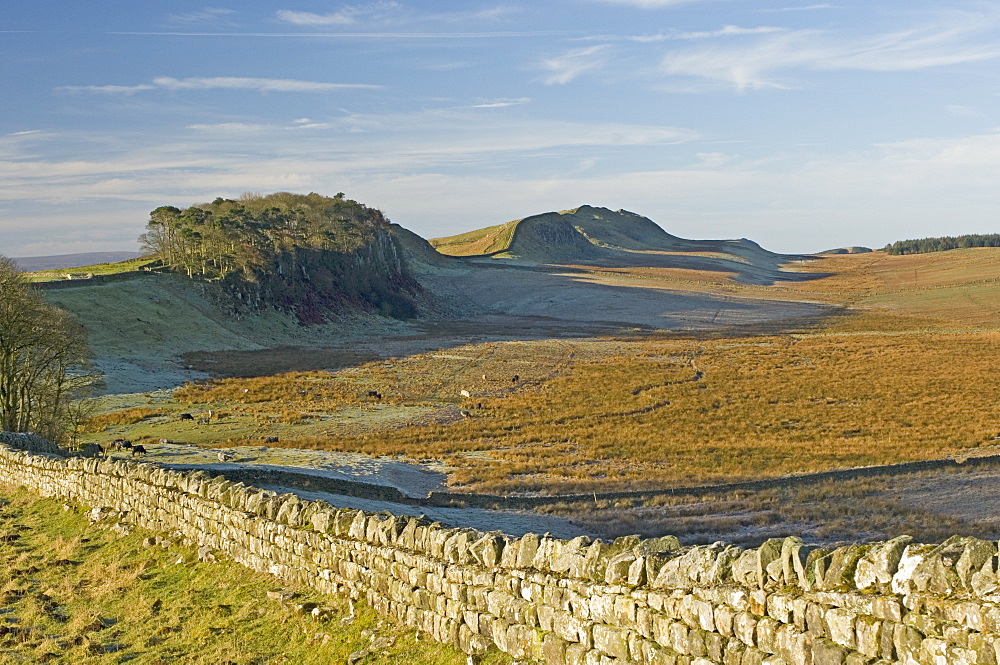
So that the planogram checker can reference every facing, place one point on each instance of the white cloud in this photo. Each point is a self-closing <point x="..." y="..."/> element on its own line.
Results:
<point x="343" y="17"/>
<point x="361" y="147"/>
<point x="421" y="168"/>
<point x="249" y="83"/>
<point x="108" y="89"/>
<point x="229" y="127"/>
<point x="566" y="67"/>
<point x="770" y="60"/>
<point x="805" y="8"/>
<point x="729" y="31"/>
<point x="650" y="4"/>
<point x="346" y="15"/>
<point x="220" y="83"/>
<point x="206" y="16"/>
<point x="489" y="14"/>
<point x="713" y="159"/>
<point x="501" y="103"/>
<point x="725" y="31"/>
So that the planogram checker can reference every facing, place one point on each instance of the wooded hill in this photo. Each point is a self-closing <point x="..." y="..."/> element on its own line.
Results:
<point x="924" y="245"/>
<point x="306" y="254"/>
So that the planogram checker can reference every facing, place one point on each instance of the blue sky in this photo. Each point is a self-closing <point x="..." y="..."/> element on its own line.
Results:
<point x="801" y="125"/>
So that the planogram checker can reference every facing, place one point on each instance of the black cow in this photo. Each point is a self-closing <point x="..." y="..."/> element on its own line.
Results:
<point x="138" y="450"/>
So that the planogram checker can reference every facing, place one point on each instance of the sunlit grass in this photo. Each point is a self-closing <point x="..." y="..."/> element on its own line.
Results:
<point x="96" y="269"/>
<point x="872" y="386"/>
<point x="98" y="597"/>
<point x="631" y="414"/>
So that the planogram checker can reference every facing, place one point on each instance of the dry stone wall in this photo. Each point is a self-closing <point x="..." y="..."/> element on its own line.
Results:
<point x="573" y="602"/>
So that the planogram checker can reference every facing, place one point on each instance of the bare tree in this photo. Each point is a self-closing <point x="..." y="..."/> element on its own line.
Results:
<point x="42" y="353"/>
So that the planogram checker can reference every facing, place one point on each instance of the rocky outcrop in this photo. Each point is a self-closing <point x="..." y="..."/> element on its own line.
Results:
<point x="573" y="602"/>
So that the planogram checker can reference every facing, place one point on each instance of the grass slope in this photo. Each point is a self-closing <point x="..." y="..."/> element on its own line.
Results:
<point x="489" y="240"/>
<point x="74" y="592"/>
<point x="114" y="268"/>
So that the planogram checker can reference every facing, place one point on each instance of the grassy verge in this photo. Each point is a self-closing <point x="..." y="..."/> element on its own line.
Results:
<point x="73" y="592"/>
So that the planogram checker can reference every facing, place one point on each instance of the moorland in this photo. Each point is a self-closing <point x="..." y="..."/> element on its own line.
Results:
<point x="580" y="352"/>
<point x="589" y="351"/>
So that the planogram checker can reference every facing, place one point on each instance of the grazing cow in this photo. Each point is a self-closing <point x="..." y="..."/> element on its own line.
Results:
<point x="374" y="393"/>
<point x="119" y="444"/>
<point x="515" y="378"/>
<point x="225" y="456"/>
<point x="187" y="416"/>
<point x="465" y="414"/>
<point x="203" y="421"/>
<point x="271" y="439"/>
<point x="138" y="450"/>
<point x="465" y="393"/>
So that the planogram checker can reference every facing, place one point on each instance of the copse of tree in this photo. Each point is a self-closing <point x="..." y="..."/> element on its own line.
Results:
<point x="310" y="255"/>
<point x="925" y="245"/>
<point x="42" y="350"/>
<point x="215" y="239"/>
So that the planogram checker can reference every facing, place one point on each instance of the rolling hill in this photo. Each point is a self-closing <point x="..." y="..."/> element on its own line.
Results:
<point x="570" y="273"/>
<point x="617" y="238"/>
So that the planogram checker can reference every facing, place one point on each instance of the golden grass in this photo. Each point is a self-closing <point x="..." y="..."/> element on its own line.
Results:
<point x="876" y="386"/>
<point x="102" y="421"/>
<point x="481" y="241"/>
<point x="832" y="512"/>
<point x="762" y="407"/>
<point x="598" y="415"/>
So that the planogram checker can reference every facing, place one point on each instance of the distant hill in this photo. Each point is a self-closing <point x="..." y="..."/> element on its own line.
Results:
<point x="66" y="261"/>
<point x="848" y="250"/>
<point x="599" y="236"/>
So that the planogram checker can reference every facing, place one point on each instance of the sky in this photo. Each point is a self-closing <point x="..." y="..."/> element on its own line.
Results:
<point x="801" y="125"/>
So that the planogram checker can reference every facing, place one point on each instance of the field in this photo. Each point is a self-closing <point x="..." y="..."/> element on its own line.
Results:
<point x="905" y="371"/>
<point x="75" y="592"/>
<point x="96" y="269"/>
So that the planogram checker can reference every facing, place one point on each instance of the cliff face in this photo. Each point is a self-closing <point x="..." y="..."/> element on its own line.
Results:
<point x="315" y="284"/>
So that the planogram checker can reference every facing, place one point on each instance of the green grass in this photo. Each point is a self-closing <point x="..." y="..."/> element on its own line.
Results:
<point x="489" y="240"/>
<point x="96" y="269"/>
<point x="73" y="592"/>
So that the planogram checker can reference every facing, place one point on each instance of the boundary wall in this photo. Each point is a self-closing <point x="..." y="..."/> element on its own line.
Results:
<point x="90" y="281"/>
<point x="572" y="602"/>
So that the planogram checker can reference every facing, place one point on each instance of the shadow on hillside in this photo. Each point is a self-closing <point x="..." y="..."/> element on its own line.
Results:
<point x="528" y="302"/>
<point x="760" y="272"/>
